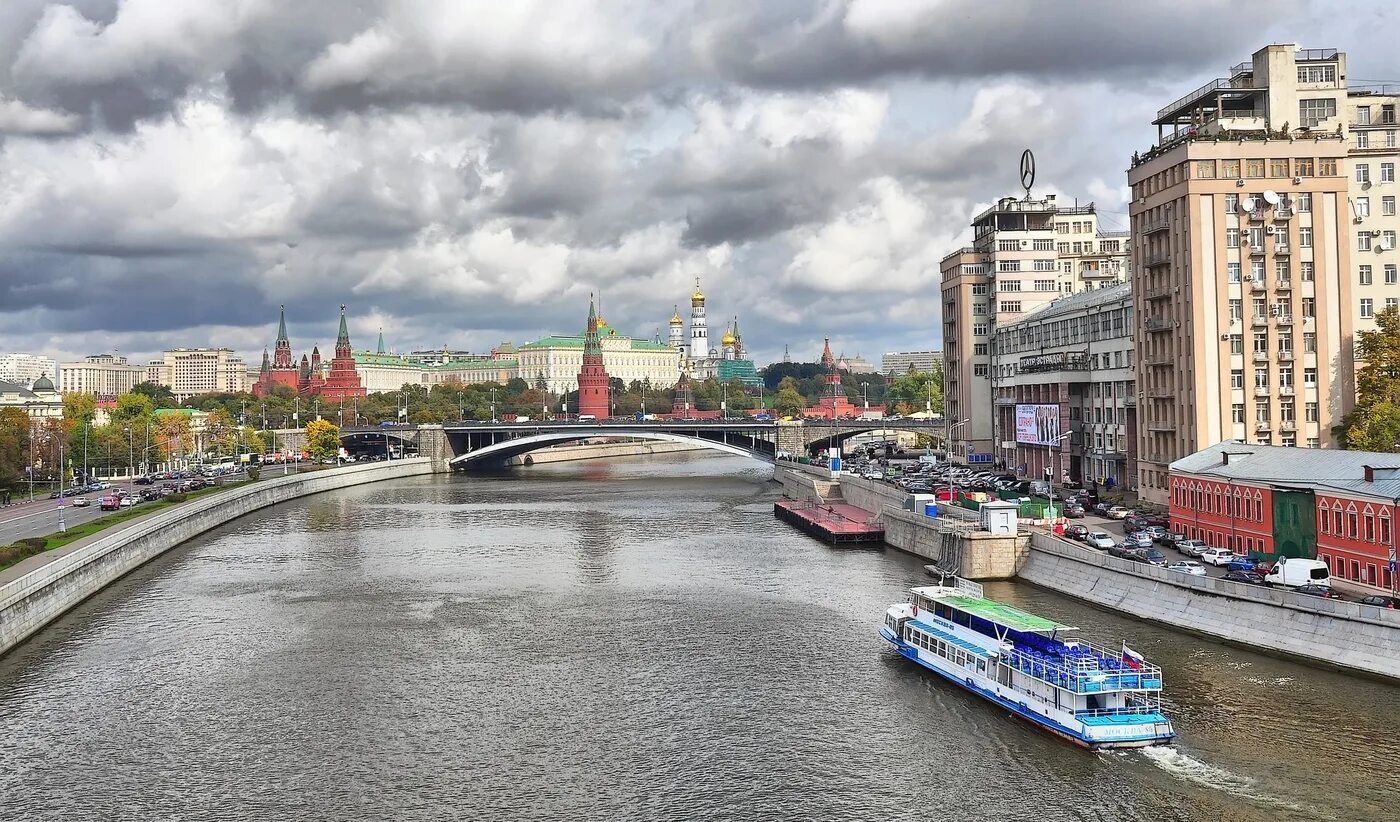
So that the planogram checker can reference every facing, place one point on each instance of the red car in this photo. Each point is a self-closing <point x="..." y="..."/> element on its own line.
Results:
<point x="110" y="503"/>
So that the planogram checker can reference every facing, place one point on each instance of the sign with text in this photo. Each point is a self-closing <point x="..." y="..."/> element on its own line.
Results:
<point x="1037" y="424"/>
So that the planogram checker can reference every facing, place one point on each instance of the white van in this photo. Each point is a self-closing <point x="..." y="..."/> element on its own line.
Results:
<point x="1295" y="571"/>
<point x="587" y="418"/>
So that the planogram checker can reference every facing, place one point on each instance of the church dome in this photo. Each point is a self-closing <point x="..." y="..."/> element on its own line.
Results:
<point x="698" y="298"/>
<point x="676" y="318"/>
<point x="729" y="338"/>
<point x="42" y="384"/>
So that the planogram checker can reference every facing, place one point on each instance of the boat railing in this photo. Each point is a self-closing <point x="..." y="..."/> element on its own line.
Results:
<point x="1131" y="710"/>
<point x="1086" y="672"/>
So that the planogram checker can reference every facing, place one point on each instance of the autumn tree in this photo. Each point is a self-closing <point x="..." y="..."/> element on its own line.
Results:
<point x="159" y="395"/>
<point x="1374" y="424"/>
<point x="788" y="402"/>
<point x="14" y="446"/>
<point x="322" y="440"/>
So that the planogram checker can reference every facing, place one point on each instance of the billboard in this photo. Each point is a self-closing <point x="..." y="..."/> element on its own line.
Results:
<point x="1037" y="424"/>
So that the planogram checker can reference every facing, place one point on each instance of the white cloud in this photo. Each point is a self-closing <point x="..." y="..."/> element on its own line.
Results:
<point x="18" y="118"/>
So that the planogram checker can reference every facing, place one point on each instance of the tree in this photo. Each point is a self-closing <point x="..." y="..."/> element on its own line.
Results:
<point x="322" y="440"/>
<point x="788" y="402"/>
<point x="1377" y="388"/>
<point x="173" y="433"/>
<point x="220" y="432"/>
<point x="131" y="408"/>
<point x="79" y="409"/>
<point x="918" y="389"/>
<point x="14" y="446"/>
<point x="159" y="395"/>
<point x="253" y="440"/>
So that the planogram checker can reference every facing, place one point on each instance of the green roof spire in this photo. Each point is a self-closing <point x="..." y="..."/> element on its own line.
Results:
<point x="343" y="338"/>
<point x="282" y="326"/>
<point x="381" y="342"/>
<point x="591" y="342"/>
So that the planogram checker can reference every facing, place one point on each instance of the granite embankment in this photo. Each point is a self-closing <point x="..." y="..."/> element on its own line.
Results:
<point x="38" y="590"/>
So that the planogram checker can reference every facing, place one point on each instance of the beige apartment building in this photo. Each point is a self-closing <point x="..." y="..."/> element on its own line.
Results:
<point x="1264" y="235"/>
<point x="1025" y="253"/>
<point x="189" y="372"/>
<point x="103" y="375"/>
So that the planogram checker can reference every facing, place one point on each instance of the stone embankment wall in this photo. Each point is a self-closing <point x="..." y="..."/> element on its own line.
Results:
<point x="1331" y="632"/>
<point x="40" y="589"/>
<point x="597" y="451"/>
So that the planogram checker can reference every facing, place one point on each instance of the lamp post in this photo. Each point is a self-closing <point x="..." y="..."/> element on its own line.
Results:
<point x="949" y="454"/>
<point x="724" y="401"/>
<point x="130" y="454"/>
<point x="1054" y="454"/>
<point x="62" y="486"/>
<point x="493" y="405"/>
<point x="144" y="457"/>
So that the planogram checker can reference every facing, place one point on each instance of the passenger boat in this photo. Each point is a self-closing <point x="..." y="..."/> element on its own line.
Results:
<point x="1031" y="666"/>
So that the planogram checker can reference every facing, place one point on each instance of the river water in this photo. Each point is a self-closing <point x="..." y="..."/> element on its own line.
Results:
<point x="634" y="640"/>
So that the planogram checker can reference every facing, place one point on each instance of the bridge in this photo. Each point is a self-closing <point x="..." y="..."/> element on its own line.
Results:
<point x="470" y="444"/>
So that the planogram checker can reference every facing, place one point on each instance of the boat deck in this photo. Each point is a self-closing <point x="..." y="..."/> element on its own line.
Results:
<point x="1122" y="719"/>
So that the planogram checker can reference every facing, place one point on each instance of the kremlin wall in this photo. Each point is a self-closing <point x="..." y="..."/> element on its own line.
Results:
<point x="562" y="363"/>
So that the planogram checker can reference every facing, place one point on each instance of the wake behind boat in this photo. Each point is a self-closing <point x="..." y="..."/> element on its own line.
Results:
<point x="1031" y="666"/>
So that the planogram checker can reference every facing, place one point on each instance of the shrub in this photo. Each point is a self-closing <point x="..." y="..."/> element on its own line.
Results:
<point x="177" y="497"/>
<point x="254" y="472"/>
<point x="33" y="544"/>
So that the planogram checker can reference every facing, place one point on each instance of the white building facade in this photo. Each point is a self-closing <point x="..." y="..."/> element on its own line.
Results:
<point x="26" y="368"/>
<point x="103" y="375"/>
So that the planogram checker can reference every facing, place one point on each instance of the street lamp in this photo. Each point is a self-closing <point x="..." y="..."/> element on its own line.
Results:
<point x="948" y="452"/>
<point x="724" y="400"/>
<point x="1054" y="454"/>
<point x="130" y="454"/>
<point x="493" y="405"/>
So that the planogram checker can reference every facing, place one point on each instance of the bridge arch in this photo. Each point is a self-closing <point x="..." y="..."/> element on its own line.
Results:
<point x="499" y="452"/>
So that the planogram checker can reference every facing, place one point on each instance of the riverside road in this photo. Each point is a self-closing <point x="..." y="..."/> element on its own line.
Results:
<point x="631" y="640"/>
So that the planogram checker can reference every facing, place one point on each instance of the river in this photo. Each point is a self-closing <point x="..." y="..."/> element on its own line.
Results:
<point x="631" y="640"/>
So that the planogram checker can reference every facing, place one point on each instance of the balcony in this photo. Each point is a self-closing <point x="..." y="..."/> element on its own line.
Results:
<point x="1163" y="293"/>
<point x="1285" y="390"/>
<point x="1261" y="391"/>
<point x="1283" y="285"/>
<point x="1261" y="356"/>
<point x="1155" y="226"/>
<point x="1256" y="216"/>
<point x="1255" y="250"/>
<point x="1258" y="284"/>
<point x="1130" y="402"/>
<point x="1155" y="258"/>
<point x="1155" y="324"/>
<point x="1262" y="425"/>
<point x="1289" y="425"/>
<point x="1284" y="321"/>
<point x="1161" y="427"/>
<point x="1283" y="213"/>
<point x="1259" y="321"/>
<point x="1285" y="356"/>
<point x="1282" y="248"/>
<point x="1159" y="362"/>
<point x="1160" y="393"/>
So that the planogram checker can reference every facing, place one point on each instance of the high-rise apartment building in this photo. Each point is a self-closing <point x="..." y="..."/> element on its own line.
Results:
<point x="188" y="372"/>
<point x="1024" y="254"/>
<point x="1264" y="235"/>
<point x="104" y="375"/>
<point x="896" y="363"/>
<point x="25" y="368"/>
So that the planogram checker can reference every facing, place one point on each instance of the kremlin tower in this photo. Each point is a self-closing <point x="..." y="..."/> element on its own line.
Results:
<point x="592" y="378"/>
<point x="308" y="378"/>
<point x="699" y="332"/>
<point x="676" y="337"/>
<point x="343" y="382"/>
<point x="833" y="403"/>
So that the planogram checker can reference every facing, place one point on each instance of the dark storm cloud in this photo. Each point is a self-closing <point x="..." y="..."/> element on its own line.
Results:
<point x="741" y="218"/>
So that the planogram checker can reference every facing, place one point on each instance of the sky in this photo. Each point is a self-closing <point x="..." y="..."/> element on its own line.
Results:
<point x="465" y="173"/>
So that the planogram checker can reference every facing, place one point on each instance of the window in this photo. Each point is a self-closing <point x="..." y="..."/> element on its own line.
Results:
<point x="1387" y="114"/>
<point x="1278" y="168"/>
<point x="1363" y="139"/>
<point x="1205" y="169"/>
<point x="1254" y="168"/>
<point x="1256" y="238"/>
<point x="1303" y="167"/>
<point x="1044" y="285"/>
<point x="1363" y="172"/>
<point x="1314" y="111"/>
<point x="1364" y="274"/>
<point x="1387" y="172"/>
<point x="1305" y="238"/>
<point x="1305" y="271"/>
<point x="1232" y="238"/>
<point x="1388" y="206"/>
<point x="1313" y="442"/>
<point x="1392" y="302"/>
<point x="1363" y="115"/>
<point x="979" y="308"/>
<point x="1363" y="241"/>
<point x="1261" y="412"/>
<point x="979" y="349"/>
<point x="1261" y="379"/>
<point x="1310" y="376"/>
<point x="1237" y="412"/>
<point x="1309" y="307"/>
<point x="1281" y="272"/>
<point x="1232" y="272"/>
<point x="1013" y="306"/>
<point x="1285" y="342"/>
<point x="1387" y="240"/>
<point x="1236" y="309"/>
<point x="1232" y="203"/>
<point x="1363" y="206"/>
<point x="979" y="290"/>
<point x="1237" y="378"/>
<point x="1317" y="74"/>
<point x="1261" y="342"/>
<point x="1390" y="278"/>
<point x="1236" y="343"/>
<point x="1009" y="285"/>
<point x="1285" y="410"/>
<point x="979" y="329"/>
<point x="1008" y="265"/>
<point x="1285" y="377"/>
<point x="1367" y="308"/>
<point x="1256" y="270"/>
<point x="1310" y="412"/>
<point x="979" y="369"/>
<point x="1310" y="342"/>
<point x="1327" y="167"/>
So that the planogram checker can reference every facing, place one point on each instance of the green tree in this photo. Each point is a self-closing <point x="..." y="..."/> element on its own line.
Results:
<point x="322" y="440"/>
<point x="79" y="409"/>
<point x="788" y="402"/>
<point x="1370" y="425"/>
<point x="253" y="440"/>
<point x="918" y="390"/>
<point x="220" y="432"/>
<point x="133" y="407"/>
<point x="159" y="395"/>
<point x="15" y="431"/>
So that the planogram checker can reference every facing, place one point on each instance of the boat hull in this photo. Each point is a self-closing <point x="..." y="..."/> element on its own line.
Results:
<point x="1077" y="736"/>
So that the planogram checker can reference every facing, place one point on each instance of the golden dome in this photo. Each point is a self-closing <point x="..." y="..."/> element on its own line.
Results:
<point x="729" y="338"/>
<point x="698" y="298"/>
<point x="676" y="318"/>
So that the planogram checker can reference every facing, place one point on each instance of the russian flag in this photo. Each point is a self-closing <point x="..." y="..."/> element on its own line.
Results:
<point x="1132" y="658"/>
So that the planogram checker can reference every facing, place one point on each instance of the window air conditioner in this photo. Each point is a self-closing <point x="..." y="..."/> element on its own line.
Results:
<point x="1268" y="229"/>
<point x="1239" y="183"/>
<point x="1297" y="181"/>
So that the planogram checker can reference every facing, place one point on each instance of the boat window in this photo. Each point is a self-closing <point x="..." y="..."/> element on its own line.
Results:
<point x="981" y="666"/>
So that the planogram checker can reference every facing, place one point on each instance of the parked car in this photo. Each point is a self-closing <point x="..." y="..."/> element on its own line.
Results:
<point x="1102" y="509"/>
<point x="1242" y="564"/>
<point x="1217" y="556"/>
<point x="81" y="502"/>
<point x="1381" y="602"/>
<point x="1155" y="531"/>
<point x="1152" y="556"/>
<point x="1073" y="511"/>
<point x="1134" y="522"/>
<point x="1101" y="540"/>
<point x="1170" y="539"/>
<point x="1187" y="566"/>
<point x="1247" y="577"/>
<point x="1139" y="539"/>
<point x="1122" y="549"/>
<point x="1191" y="547"/>
<point x="1118" y="512"/>
<point x="1324" y="591"/>
<point x="1076" y="532"/>
<point x="142" y="481"/>
<point x="1294" y="571"/>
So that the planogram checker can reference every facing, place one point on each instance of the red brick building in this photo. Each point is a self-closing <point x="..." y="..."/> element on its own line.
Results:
<point x="309" y="379"/>
<point x="1341" y="507"/>
<point x="592" y="377"/>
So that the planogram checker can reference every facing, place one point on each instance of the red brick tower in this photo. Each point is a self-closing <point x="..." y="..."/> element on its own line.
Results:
<point x="282" y="370"/>
<point x="592" y="378"/>
<point x="344" y="381"/>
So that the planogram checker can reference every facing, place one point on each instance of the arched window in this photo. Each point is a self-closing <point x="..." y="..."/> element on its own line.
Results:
<point x="1352" y="529"/>
<point x="1385" y="527"/>
<point x="1368" y="523"/>
<point x="1258" y="507"/>
<point x="1337" y="518"/>
<point x="1324" y="522"/>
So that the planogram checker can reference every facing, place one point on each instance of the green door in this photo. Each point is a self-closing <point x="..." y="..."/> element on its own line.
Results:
<point x="1295" y="524"/>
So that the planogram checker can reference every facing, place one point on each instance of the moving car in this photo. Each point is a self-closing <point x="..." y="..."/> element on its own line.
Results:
<point x="1217" y="556"/>
<point x="1152" y="556"/>
<point x="1101" y="540"/>
<point x="1187" y="566"/>
<point x="1139" y="539"/>
<point x="1076" y="532"/>
<point x="1118" y="512"/>
<point x="127" y="502"/>
<point x="110" y="503"/>
<point x="81" y="502"/>
<point x="1170" y="539"/>
<point x="1381" y="602"/>
<point x="1295" y="571"/>
<point x="1191" y="547"/>
<point x="1324" y="591"/>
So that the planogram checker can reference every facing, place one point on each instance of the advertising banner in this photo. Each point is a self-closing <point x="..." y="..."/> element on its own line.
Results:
<point x="1037" y="424"/>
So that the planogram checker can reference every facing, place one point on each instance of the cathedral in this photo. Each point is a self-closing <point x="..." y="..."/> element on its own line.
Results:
<point x="729" y="361"/>
<point x="311" y="378"/>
